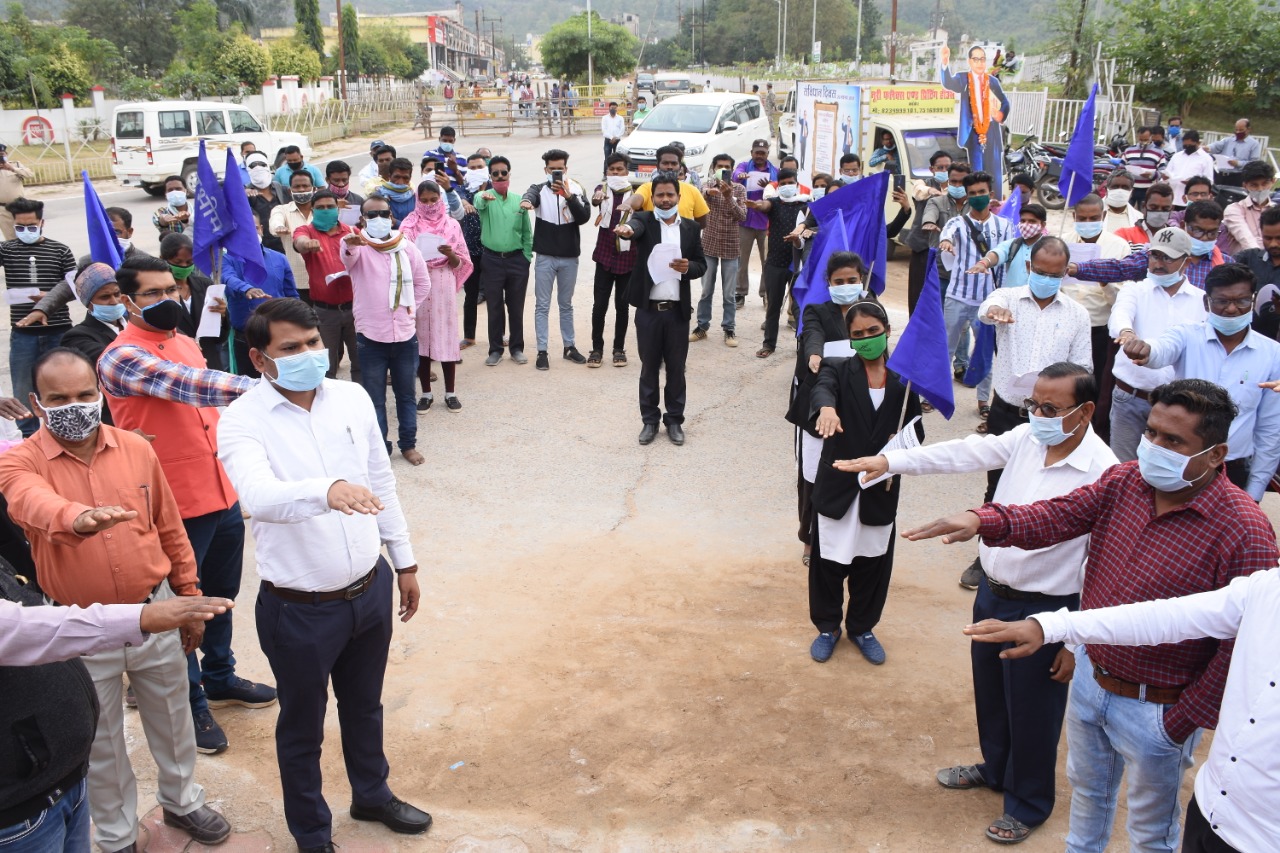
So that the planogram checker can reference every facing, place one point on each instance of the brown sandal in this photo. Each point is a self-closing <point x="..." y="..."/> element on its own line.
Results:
<point x="763" y="353"/>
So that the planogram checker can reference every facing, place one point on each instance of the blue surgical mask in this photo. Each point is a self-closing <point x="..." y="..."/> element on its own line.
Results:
<point x="956" y="192"/>
<point x="108" y="313"/>
<point x="302" y="372"/>
<point x="177" y="198"/>
<point x="1088" y="230"/>
<point x="1049" y="431"/>
<point x="31" y="237"/>
<point x="788" y="191"/>
<point x="940" y="177"/>
<point x="1043" y="286"/>
<point x="1200" y="248"/>
<point x="1164" y="279"/>
<point x="846" y="294"/>
<point x="1230" y="325"/>
<point x="666" y="215"/>
<point x="446" y="147"/>
<point x="1163" y="468"/>
<point x="817" y="193"/>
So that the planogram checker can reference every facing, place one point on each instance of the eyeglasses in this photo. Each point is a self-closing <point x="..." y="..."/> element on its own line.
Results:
<point x="377" y="214"/>
<point x="158" y="293"/>
<point x="1046" y="410"/>
<point x="26" y="229"/>
<point x="1244" y="304"/>
<point x="1202" y="234"/>
<point x="494" y="174"/>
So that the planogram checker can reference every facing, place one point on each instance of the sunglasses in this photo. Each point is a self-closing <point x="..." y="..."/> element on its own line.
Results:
<point x="377" y="214"/>
<point x="498" y="174"/>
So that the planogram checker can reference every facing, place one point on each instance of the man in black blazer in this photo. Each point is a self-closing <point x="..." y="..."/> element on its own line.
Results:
<point x="176" y="250"/>
<point x="665" y="307"/>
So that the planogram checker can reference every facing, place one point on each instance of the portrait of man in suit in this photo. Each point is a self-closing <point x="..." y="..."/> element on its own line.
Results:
<point x="983" y="108"/>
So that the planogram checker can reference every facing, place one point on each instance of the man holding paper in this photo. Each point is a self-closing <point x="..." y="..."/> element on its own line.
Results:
<point x="1020" y="704"/>
<point x="669" y="257"/>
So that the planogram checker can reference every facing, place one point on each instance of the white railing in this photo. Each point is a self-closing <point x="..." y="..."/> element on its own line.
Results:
<point x="1208" y="137"/>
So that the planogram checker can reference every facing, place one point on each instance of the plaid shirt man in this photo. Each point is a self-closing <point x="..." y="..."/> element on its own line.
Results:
<point x="720" y="234"/>
<point x="129" y="371"/>
<point x="1134" y="267"/>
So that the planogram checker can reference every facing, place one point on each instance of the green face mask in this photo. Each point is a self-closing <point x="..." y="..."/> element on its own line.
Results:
<point x="324" y="218"/>
<point x="979" y="203"/>
<point x="181" y="273"/>
<point x="870" y="348"/>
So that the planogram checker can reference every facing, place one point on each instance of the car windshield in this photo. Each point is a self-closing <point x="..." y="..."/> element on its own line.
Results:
<point x="682" y="118"/>
<point x="921" y="144"/>
<point x="673" y="85"/>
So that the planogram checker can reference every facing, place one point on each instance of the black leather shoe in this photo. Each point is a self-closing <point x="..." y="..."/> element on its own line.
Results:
<point x="323" y="848"/>
<point x="397" y="815"/>
<point x="203" y="825"/>
<point x="649" y="433"/>
<point x="675" y="432"/>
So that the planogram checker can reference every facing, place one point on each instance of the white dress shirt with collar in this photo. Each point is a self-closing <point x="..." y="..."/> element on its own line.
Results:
<point x="1182" y="166"/>
<point x="1035" y="339"/>
<point x="1195" y="352"/>
<point x="613" y="127"/>
<point x="1149" y="311"/>
<point x="282" y="460"/>
<point x="1056" y="570"/>
<point x="1239" y="786"/>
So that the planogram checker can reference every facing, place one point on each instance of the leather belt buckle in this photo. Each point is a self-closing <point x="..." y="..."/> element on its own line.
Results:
<point x="356" y="589"/>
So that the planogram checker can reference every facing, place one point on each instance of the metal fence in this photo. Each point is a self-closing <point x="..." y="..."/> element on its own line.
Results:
<point x="1054" y="119"/>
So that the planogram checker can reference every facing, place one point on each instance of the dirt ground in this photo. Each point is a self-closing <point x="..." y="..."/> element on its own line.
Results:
<point x="612" y="649"/>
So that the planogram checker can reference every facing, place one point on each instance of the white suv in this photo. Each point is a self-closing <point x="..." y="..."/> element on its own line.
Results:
<point x="707" y="125"/>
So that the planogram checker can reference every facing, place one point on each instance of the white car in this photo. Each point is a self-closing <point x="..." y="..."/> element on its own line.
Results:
<point x="707" y="125"/>
<point x="155" y="139"/>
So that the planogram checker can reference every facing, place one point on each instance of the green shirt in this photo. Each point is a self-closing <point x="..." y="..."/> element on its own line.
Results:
<point x="504" y="227"/>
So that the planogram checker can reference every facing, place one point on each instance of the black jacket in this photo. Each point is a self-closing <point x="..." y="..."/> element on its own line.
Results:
<point x="563" y="240"/>
<point x="823" y="322"/>
<point x="91" y="336"/>
<point x="842" y="384"/>
<point x="189" y="322"/>
<point x="646" y="235"/>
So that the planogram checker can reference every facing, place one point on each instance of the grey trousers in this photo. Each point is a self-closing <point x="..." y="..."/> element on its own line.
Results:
<point x="746" y="238"/>
<point x="338" y="331"/>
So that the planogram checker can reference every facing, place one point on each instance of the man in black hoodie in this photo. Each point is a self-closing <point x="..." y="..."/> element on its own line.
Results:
<point x="561" y="210"/>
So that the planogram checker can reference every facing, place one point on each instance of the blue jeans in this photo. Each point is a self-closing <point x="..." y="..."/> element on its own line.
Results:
<point x="217" y="538"/>
<point x="547" y="270"/>
<point x="25" y="350"/>
<point x="728" y="269"/>
<point x="1128" y="422"/>
<point x="1106" y="733"/>
<point x="959" y="318"/>
<point x="377" y="359"/>
<point x="61" y="828"/>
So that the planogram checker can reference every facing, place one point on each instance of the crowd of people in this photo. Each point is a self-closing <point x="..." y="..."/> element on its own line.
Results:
<point x="1126" y="375"/>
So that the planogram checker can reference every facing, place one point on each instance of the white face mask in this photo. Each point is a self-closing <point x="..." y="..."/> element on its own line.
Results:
<point x="260" y="177"/>
<point x="1118" y="198"/>
<point x="476" y="178"/>
<point x="618" y="183"/>
<point x="124" y="244"/>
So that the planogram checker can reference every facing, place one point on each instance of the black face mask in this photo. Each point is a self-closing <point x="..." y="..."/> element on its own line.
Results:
<point x="164" y="315"/>
<point x="297" y="167"/>
<point x="1190" y="149"/>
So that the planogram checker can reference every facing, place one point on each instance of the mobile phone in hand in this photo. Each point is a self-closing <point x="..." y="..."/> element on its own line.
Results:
<point x="899" y="182"/>
<point x="557" y="176"/>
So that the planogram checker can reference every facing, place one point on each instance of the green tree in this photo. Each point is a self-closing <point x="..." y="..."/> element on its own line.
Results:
<point x="142" y="30"/>
<point x="293" y="58"/>
<point x="244" y="60"/>
<point x="565" y="48"/>
<point x="389" y="46"/>
<point x="351" y="38"/>
<point x="1075" y="35"/>
<point x="200" y="39"/>
<point x="64" y="72"/>
<point x="310" y="32"/>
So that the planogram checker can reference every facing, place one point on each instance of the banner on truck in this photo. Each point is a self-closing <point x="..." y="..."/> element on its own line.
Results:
<point x="827" y="126"/>
<point x="913" y="99"/>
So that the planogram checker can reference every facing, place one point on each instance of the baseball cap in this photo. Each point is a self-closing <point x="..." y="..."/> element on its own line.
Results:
<point x="760" y="143"/>
<point x="1171" y="242"/>
<point x="377" y="143"/>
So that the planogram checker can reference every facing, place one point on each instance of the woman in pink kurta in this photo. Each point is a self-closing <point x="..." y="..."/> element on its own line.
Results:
<point x="449" y="265"/>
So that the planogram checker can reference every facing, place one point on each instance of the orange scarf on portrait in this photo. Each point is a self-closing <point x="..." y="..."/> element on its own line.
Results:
<point x="980" y="105"/>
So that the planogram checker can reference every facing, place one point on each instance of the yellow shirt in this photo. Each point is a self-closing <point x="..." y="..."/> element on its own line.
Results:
<point x="692" y="204"/>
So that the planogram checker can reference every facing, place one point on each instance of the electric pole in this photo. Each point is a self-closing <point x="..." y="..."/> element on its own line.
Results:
<point x="342" y="57"/>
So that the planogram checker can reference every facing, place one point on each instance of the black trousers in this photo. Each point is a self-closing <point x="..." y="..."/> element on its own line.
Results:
<point x="804" y="504"/>
<point x="606" y="283"/>
<point x="505" y="282"/>
<point x="1198" y="836"/>
<point x="663" y="340"/>
<point x="471" y="300"/>
<point x="915" y="279"/>
<point x="1020" y="710"/>
<point x="868" y="581"/>
<point x="244" y="367"/>
<point x="1104" y="349"/>
<point x="1238" y="471"/>
<point x="774" y="279"/>
<point x="1004" y="417"/>
<point x="307" y="645"/>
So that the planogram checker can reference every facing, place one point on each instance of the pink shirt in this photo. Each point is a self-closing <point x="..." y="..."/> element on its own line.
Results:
<point x="371" y="289"/>
<point x="1243" y="221"/>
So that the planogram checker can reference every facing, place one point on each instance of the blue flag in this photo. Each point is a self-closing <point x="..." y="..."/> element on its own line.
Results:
<point x="921" y="356"/>
<point x="104" y="248"/>
<point x="243" y="242"/>
<point x="850" y="219"/>
<point x="213" y="224"/>
<point x="1011" y="208"/>
<point x="1076" y="180"/>
<point x="984" y="355"/>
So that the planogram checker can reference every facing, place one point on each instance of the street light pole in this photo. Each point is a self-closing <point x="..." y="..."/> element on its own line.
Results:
<point x="591" y="73"/>
<point x="777" y="61"/>
<point x="342" y="57"/>
<point x="784" y="28"/>
<point x="814" y="38"/>
<point x="857" y="57"/>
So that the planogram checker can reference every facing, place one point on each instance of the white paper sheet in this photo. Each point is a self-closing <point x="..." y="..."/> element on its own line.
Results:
<point x="757" y="181"/>
<point x="905" y="439"/>
<point x="1081" y="252"/>
<point x="349" y="215"/>
<point x="836" y="349"/>
<point x="211" y="323"/>
<point x="1222" y="162"/>
<point x="429" y="246"/>
<point x="948" y="260"/>
<point x="21" y="295"/>
<point x="660" y="263"/>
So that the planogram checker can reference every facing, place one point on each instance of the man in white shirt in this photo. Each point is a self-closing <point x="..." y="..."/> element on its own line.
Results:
<point x="1234" y="805"/>
<point x="306" y="456"/>
<point x="613" y="127"/>
<point x="370" y="170"/>
<point x="1144" y="310"/>
<point x="1191" y="160"/>
<point x="1020" y="706"/>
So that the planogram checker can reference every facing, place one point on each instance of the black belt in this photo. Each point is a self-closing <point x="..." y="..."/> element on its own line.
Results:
<point x="505" y="254"/>
<point x="29" y="808"/>
<point x="340" y="306"/>
<point x="1129" y="389"/>
<point x="1008" y="593"/>
<point x="298" y="596"/>
<point x="663" y="304"/>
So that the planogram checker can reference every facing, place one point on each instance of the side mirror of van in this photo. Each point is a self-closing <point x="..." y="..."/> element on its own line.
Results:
<point x="728" y="126"/>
